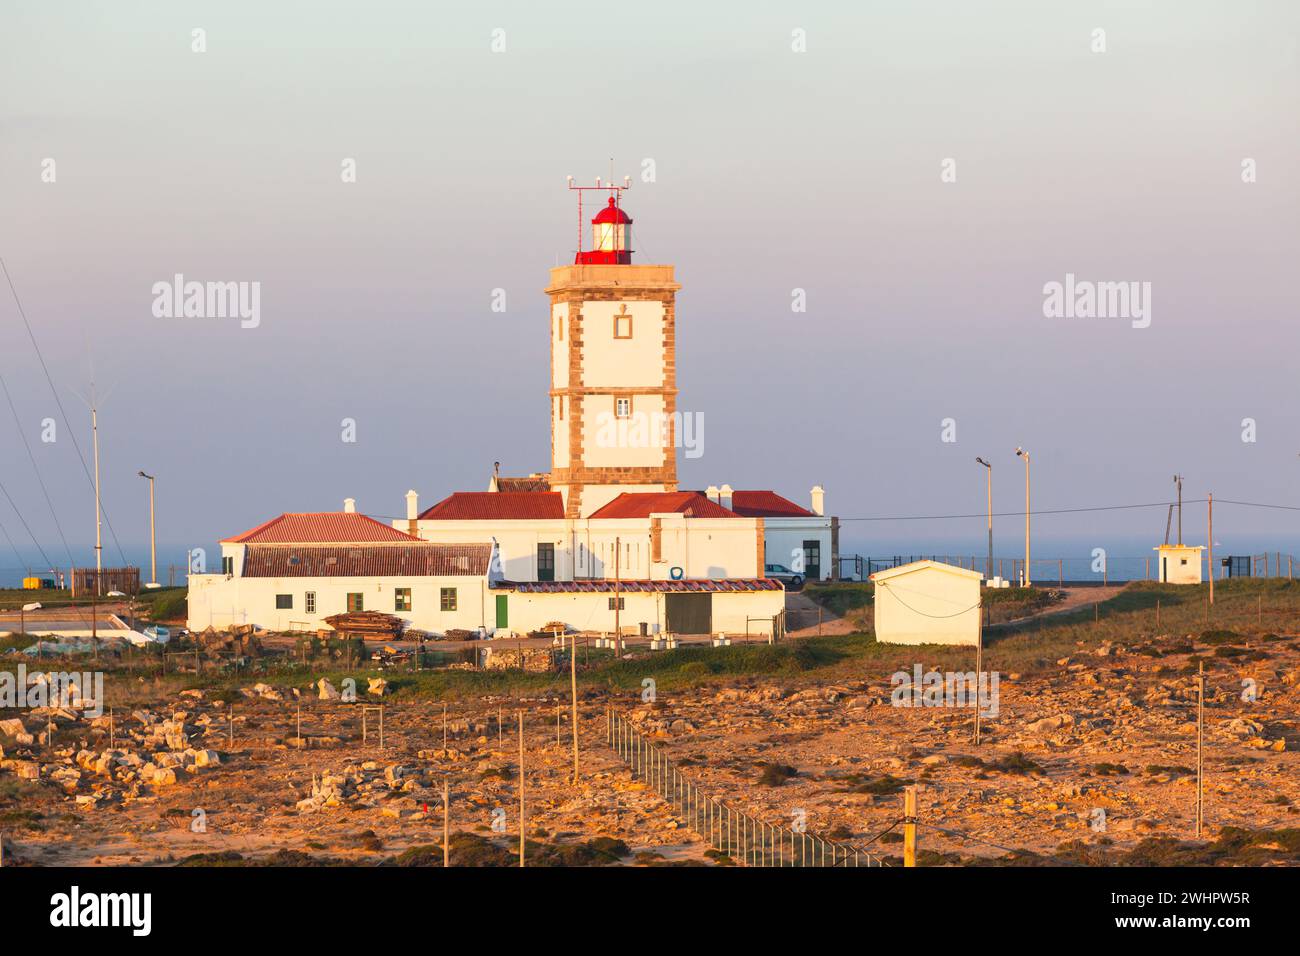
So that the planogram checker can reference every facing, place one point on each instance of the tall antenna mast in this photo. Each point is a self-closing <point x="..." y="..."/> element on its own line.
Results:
<point x="93" y="404"/>
<point x="99" y="546"/>
<point x="1178" y="480"/>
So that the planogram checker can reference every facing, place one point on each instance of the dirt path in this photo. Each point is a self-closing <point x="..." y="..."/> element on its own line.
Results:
<point x="1074" y="598"/>
<point x="806" y="618"/>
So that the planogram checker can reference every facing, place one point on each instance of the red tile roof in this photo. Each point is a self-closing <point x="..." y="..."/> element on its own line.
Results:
<point x="496" y="505"/>
<point x="642" y="504"/>
<point x="766" y="504"/>
<point x="320" y="527"/>
<point x="411" y="560"/>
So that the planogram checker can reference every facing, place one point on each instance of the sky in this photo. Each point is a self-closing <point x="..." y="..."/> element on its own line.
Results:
<point x="914" y="172"/>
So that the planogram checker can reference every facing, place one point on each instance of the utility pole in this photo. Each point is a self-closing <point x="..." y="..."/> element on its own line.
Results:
<point x="1178" y="480"/>
<point x="99" y="549"/>
<point x="979" y="672"/>
<point x="1211" y="503"/>
<point x="153" y="540"/>
<point x="1200" y="746"/>
<point x="988" y="571"/>
<point x="618" y="596"/>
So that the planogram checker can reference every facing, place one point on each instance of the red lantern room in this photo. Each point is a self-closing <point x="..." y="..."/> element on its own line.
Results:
<point x="609" y="235"/>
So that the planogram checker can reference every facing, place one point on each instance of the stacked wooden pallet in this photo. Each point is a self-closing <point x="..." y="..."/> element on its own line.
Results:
<point x="367" y="624"/>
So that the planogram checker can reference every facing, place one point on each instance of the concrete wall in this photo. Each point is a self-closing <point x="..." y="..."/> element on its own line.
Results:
<point x="928" y="605"/>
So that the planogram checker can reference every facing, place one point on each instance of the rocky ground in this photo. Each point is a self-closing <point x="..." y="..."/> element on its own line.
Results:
<point x="196" y="775"/>
<point x="1110" y="731"/>
<point x="1087" y="760"/>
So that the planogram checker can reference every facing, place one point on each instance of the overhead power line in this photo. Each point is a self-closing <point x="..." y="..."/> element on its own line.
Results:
<point x="1255" y="504"/>
<point x="44" y="557"/>
<point x="13" y="547"/>
<point x="36" y="468"/>
<point x="1020" y="514"/>
<point x="72" y="433"/>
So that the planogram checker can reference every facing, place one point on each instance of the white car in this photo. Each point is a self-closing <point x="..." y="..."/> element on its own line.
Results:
<point x="780" y="572"/>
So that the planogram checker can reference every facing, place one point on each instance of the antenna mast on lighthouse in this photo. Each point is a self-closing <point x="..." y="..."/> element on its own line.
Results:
<point x="610" y="233"/>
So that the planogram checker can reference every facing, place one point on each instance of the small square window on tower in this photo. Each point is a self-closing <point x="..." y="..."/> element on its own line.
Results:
<point x="623" y="324"/>
<point x="622" y="408"/>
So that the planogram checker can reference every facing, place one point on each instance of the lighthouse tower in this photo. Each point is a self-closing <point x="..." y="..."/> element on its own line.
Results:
<point x="613" y="369"/>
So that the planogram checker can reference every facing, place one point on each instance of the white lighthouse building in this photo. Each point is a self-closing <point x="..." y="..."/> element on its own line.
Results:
<point x="606" y="531"/>
<point x="613" y="372"/>
<point x="615" y="428"/>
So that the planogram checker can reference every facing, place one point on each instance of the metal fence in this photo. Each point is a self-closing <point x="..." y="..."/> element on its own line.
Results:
<point x="1116" y="569"/>
<point x="742" y="837"/>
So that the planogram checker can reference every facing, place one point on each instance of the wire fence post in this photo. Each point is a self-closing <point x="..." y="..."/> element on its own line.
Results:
<point x="522" y="820"/>
<point x="909" y="826"/>
<point x="446" y="825"/>
<point x="1200" y="739"/>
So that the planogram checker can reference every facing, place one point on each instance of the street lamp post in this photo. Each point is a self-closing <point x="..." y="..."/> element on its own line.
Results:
<point x="153" y="541"/>
<point x="988" y="571"/>
<point x="1025" y="455"/>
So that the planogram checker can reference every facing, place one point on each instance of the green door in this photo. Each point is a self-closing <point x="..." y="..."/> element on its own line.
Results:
<point x="503" y="616"/>
<point x="689" y="613"/>
<point x="546" y="562"/>
<point x="812" y="557"/>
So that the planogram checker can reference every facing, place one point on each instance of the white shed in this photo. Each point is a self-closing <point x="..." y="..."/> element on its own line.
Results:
<point x="927" y="602"/>
<point x="1178" y="563"/>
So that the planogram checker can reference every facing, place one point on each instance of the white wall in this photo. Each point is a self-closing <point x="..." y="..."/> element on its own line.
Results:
<point x="1182" y="565"/>
<point x="783" y="537"/>
<point x="218" y="601"/>
<point x="516" y="542"/>
<point x="560" y="409"/>
<point x="639" y="441"/>
<point x="702" y="547"/>
<point x="591" y="611"/>
<point x="622" y="363"/>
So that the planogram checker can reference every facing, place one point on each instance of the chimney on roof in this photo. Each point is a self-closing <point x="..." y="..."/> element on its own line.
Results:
<point x="412" y="513"/>
<point x="818" y="500"/>
<point x="349" y="505"/>
<point x="724" y="496"/>
<point x="711" y="493"/>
